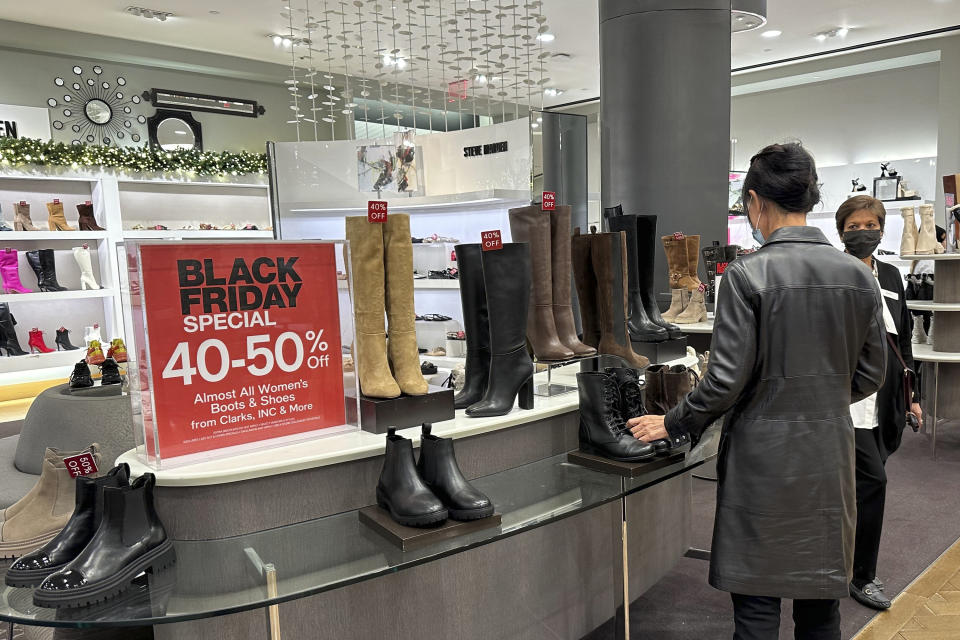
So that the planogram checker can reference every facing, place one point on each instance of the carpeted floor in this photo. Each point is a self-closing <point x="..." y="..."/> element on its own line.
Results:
<point x="922" y="520"/>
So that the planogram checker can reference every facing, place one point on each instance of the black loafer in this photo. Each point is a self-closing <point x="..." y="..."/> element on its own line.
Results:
<point x="878" y="584"/>
<point x="870" y="596"/>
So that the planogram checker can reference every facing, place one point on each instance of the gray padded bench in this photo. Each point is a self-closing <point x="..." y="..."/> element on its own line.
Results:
<point x="58" y="419"/>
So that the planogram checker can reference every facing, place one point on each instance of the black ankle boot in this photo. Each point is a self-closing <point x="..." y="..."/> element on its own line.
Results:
<point x="647" y="239"/>
<point x="640" y="327"/>
<point x="31" y="569"/>
<point x="506" y="274"/>
<point x="473" y="300"/>
<point x="81" y="378"/>
<point x="8" y="332"/>
<point x="631" y="400"/>
<point x="63" y="340"/>
<point x="439" y="469"/>
<point x="130" y="540"/>
<point x="401" y="490"/>
<point x="603" y="430"/>
<point x="110" y="372"/>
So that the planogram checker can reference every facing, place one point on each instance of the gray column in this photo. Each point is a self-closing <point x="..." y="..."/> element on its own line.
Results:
<point x="665" y="114"/>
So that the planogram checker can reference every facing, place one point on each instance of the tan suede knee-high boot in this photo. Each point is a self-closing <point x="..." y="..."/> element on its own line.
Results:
<point x="366" y="266"/>
<point x="908" y="241"/>
<point x="401" y="316"/>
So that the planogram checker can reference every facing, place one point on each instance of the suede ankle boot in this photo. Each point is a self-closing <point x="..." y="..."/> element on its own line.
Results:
<point x="679" y="299"/>
<point x="56" y="456"/>
<point x="55" y="219"/>
<point x="21" y="218"/>
<point x="908" y="241"/>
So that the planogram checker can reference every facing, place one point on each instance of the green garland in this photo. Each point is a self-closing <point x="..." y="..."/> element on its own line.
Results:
<point x="19" y="152"/>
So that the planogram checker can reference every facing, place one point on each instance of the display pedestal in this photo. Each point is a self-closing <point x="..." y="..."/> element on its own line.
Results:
<point x="97" y="390"/>
<point x="379" y="414"/>
<point x="551" y="388"/>
<point x="660" y="352"/>
<point x="407" y="538"/>
<point x="625" y="469"/>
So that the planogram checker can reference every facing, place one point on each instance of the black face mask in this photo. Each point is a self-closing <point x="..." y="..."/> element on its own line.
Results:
<point x="862" y="242"/>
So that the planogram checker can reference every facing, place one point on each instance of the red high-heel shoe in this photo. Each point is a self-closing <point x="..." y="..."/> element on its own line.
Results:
<point x="36" y="341"/>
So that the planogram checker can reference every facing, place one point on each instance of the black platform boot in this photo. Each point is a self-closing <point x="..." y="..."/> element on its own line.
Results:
<point x="43" y="263"/>
<point x="641" y="328"/>
<point x="63" y="340"/>
<point x="8" y="332"/>
<point x="31" y="569"/>
<point x="81" y="378"/>
<point x="631" y="400"/>
<point x="506" y="274"/>
<point x="110" y="372"/>
<point x="646" y="252"/>
<point x="401" y="490"/>
<point x="439" y="469"/>
<point x="473" y="300"/>
<point x="130" y="540"/>
<point x="603" y="430"/>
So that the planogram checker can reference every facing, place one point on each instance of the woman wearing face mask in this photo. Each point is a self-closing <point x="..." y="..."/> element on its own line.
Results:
<point x="798" y="336"/>
<point x="879" y="419"/>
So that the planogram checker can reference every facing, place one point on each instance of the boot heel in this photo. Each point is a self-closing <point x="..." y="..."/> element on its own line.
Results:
<point x="18" y="226"/>
<point x="525" y="396"/>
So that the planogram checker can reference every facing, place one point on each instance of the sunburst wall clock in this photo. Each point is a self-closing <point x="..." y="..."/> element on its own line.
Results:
<point x="95" y="109"/>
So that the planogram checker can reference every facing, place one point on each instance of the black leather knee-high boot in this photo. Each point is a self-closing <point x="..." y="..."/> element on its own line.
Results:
<point x="642" y="328"/>
<point x="473" y="301"/>
<point x="506" y="274"/>
<point x="646" y="252"/>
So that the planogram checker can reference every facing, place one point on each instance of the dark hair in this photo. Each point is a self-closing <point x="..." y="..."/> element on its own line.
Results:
<point x="785" y="174"/>
<point x="860" y="203"/>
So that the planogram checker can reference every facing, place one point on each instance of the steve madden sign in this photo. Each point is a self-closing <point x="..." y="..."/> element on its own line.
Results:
<point x="485" y="149"/>
<point x="17" y="121"/>
<point x="8" y="129"/>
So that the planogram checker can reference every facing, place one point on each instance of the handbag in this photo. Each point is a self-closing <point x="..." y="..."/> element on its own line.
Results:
<point x="909" y="375"/>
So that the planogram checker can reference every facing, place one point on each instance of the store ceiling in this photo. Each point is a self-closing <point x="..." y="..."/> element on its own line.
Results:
<point x="241" y="28"/>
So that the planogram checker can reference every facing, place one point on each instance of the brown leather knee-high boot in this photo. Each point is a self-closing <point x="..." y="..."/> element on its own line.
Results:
<point x="532" y="226"/>
<point x="368" y="295"/>
<point x="401" y="317"/>
<point x="560" y="254"/>
<point x="608" y="254"/>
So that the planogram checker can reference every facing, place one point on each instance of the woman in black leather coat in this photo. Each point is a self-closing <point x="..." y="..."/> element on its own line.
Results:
<point x="798" y="336"/>
<point x="878" y="420"/>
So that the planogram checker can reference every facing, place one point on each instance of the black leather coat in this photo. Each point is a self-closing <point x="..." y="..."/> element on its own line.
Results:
<point x="798" y="336"/>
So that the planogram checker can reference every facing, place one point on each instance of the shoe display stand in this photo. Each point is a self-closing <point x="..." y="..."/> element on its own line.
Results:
<point x="98" y="390"/>
<point x="409" y="538"/>
<point x="551" y="388"/>
<point x="379" y="414"/>
<point x="625" y="469"/>
<point x="119" y="202"/>
<point x="941" y="390"/>
<point x="661" y="352"/>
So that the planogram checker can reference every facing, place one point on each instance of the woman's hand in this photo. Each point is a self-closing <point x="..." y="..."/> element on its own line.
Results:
<point x="917" y="411"/>
<point x="647" y="428"/>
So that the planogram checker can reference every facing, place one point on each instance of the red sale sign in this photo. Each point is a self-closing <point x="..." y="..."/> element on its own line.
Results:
<point x="237" y="343"/>
<point x="376" y="211"/>
<point x="81" y="464"/>
<point x="549" y="201"/>
<point x="491" y="240"/>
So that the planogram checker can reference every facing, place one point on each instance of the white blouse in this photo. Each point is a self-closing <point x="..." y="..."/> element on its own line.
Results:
<point x="864" y="413"/>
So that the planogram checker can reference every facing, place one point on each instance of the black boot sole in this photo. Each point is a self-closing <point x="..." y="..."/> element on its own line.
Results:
<point x="30" y="577"/>
<point x="596" y="451"/>
<point x="156" y="560"/>
<point x="470" y="514"/>
<point x="425" y="520"/>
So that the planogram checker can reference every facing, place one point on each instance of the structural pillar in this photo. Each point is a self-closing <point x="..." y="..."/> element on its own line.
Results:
<point x="665" y="114"/>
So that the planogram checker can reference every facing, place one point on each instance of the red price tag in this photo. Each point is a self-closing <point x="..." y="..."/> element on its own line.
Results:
<point x="453" y="256"/>
<point x="678" y="235"/>
<point x="56" y="201"/>
<point x="549" y="201"/>
<point x="721" y="267"/>
<point x="702" y="288"/>
<point x="377" y="211"/>
<point x="23" y="203"/>
<point x="950" y="199"/>
<point x="88" y="202"/>
<point x="491" y="240"/>
<point x="81" y="465"/>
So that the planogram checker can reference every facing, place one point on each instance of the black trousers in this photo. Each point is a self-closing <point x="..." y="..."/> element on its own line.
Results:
<point x="758" y="618"/>
<point x="871" y="498"/>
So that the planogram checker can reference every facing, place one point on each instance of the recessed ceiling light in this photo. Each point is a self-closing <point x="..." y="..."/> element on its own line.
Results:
<point x="820" y="37"/>
<point x="843" y="31"/>
<point x="546" y="37"/>
<point x="277" y="40"/>
<point x="773" y="33"/>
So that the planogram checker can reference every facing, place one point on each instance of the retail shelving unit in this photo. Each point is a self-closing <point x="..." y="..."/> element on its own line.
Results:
<point x="119" y="202"/>
<point x="944" y="353"/>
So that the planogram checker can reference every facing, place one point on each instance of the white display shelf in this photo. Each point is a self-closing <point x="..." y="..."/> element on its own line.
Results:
<point x="925" y="353"/>
<point x="192" y="234"/>
<point x="936" y="256"/>
<point x="57" y="361"/>
<point x="15" y="236"/>
<point x="424" y="283"/>
<point x="192" y="183"/>
<point x="697" y="327"/>
<point x="488" y="198"/>
<point x="44" y="296"/>
<point x="926" y="305"/>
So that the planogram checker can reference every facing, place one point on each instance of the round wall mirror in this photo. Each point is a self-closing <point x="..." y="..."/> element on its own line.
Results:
<point x="98" y="111"/>
<point x="174" y="133"/>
